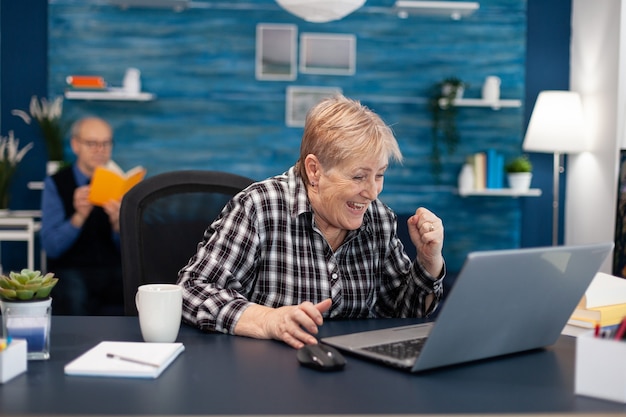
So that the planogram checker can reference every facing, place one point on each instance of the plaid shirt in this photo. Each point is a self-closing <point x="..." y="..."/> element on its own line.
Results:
<point x="265" y="248"/>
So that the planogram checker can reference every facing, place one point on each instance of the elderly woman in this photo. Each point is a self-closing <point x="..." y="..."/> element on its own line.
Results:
<point x="315" y="241"/>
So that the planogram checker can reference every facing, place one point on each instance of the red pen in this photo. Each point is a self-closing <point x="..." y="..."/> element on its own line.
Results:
<point x="621" y="330"/>
<point x="597" y="330"/>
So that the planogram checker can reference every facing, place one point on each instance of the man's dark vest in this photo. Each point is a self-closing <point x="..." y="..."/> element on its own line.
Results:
<point x="95" y="245"/>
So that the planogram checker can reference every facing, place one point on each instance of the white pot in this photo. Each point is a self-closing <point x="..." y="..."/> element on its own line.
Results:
<point x="446" y="89"/>
<point x="52" y="167"/>
<point x="520" y="181"/>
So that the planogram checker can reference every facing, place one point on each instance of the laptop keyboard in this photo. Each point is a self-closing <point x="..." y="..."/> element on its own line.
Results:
<point x="404" y="349"/>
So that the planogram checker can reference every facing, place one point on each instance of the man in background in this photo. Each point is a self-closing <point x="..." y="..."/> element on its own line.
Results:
<point x="82" y="240"/>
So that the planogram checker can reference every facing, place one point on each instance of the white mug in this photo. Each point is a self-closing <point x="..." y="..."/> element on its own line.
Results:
<point x="160" y="309"/>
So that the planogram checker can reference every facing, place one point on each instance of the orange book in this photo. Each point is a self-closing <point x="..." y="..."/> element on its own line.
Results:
<point x="86" y="81"/>
<point x="111" y="183"/>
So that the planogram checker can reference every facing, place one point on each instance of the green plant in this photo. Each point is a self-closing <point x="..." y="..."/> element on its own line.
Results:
<point x="48" y="115"/>
<point x="10" y="157"/>
<point x="443" y="128"/>
<point x="519" y="164"/>
<point x="26" y="285"/>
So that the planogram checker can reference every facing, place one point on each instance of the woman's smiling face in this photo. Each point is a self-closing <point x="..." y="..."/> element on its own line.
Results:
<point x="343" y="193"/>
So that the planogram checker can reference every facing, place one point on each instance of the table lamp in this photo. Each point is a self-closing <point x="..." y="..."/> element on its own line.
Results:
<point x="556" y="126"/>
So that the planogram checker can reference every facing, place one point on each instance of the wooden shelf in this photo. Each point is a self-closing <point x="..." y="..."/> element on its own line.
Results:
<point x="501" y="192"/>
<point x="109" y="95"/>
<point x="478" y="102"/>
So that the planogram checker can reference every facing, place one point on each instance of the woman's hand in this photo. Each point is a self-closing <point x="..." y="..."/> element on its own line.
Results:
<point x="294" y="325"/>
<point x="426" y="232"/>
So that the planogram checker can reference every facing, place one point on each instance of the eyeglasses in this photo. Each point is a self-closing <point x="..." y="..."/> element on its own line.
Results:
<point x="94" y="144"/>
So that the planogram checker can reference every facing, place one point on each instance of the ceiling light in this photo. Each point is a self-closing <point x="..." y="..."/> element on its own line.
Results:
<point x="320" y="11"/>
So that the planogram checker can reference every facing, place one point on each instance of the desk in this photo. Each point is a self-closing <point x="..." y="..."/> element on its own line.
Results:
<point x="222" y="374"/>
<point x="20" y="226"/>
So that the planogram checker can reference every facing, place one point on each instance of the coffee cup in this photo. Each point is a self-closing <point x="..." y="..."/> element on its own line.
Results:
<point x="160" y="310"/>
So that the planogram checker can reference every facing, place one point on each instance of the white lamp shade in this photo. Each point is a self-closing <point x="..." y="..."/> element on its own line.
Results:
<point x="320" y="11"/>
<point x="557" y="124"/>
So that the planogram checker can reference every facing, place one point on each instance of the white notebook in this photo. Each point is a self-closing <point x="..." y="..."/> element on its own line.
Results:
<point x="125" y="359"/>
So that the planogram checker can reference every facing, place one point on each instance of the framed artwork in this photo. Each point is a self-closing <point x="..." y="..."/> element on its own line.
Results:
<point x="276" y="52"/>
<point x="322" y="53"/>
<point x="300" y="99"/>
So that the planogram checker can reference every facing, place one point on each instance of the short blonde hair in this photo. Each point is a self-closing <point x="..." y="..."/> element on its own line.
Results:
<point x="338" y="129"/>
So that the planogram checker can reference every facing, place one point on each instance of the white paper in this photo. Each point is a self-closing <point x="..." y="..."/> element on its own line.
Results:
<point x="605" y="290"/>
<point x="95" y="362"/>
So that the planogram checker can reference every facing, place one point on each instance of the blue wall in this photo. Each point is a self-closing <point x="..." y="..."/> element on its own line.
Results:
<point x="212" y="113"/>
<point x="547" y="68"/>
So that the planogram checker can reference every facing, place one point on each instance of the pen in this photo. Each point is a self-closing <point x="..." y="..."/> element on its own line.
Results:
<point x="621" y="330"/>
<point x="133" y="360"/>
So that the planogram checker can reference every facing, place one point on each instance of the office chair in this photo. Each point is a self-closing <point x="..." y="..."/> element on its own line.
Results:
<point x="162" y="220"/>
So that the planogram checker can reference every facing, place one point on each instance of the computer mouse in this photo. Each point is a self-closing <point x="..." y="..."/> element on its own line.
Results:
<point x="321" y="357"/>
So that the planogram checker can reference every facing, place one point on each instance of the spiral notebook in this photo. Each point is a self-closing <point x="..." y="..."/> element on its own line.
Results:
<point x="125" y="359"/>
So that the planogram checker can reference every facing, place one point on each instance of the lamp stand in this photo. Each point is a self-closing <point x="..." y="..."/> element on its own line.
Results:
<point x="555" y="198"/>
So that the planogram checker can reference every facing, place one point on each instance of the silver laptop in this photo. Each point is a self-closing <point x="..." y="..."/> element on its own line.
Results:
<point x="502" y="302"/>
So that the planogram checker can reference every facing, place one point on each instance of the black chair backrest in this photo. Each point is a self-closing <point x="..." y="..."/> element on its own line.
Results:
<point x="162" y="220"/>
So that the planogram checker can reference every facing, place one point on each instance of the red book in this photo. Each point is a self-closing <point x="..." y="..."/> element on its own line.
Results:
<point x="86" y="81"/>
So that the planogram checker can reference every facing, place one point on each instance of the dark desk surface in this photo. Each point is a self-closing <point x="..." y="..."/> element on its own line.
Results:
<point x="222" y="374"/>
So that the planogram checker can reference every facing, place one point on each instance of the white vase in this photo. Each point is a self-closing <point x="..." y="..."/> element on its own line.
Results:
<point x="466" y="179"/>
<point x="491" y="89"/>
<point x="132" y="81"/>
<point x="520" y="181"/>
<point x="29" y="320"/>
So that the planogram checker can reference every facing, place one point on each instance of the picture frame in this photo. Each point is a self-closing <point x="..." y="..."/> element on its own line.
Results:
<point x="300" y="99"/>
<point x="276" y="52"/>
<point x="323" y="53"/>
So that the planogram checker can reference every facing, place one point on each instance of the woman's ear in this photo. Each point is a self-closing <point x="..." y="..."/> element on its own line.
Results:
<point x="313" y="168"/>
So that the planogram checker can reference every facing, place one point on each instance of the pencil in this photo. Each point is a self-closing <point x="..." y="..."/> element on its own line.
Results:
<point x="133" y="360"/>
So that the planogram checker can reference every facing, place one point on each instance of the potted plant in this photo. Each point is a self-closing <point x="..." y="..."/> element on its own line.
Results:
<point x="48" y="115"/>
<point x="26" y="309"/>
<point x="443" y="110"/>
<point x="519" y="173"/>
<point x="10" y="157"/>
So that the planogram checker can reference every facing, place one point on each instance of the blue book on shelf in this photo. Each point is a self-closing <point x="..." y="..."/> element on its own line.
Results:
<point x="494" y="169"/>
<point x="500" y="171"/>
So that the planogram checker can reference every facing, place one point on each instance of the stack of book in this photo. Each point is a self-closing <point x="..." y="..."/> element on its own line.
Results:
<point x="603" y="304"/>
<point x="488" y="169"/>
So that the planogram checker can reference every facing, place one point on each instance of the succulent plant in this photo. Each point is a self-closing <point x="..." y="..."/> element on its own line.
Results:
<point x="26" y="285"/>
